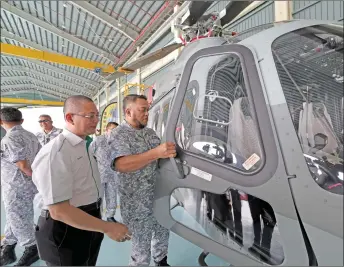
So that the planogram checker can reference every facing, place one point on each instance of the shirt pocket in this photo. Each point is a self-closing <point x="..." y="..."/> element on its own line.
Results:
<point x="139" y="146"/>
<point x="81" y="165"/>
<point x="154" y="142"/>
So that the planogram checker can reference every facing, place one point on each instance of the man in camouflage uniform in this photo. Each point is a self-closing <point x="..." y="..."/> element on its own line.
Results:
<point x="18" y="150"/>
<point x="108" y="177"/>
<point x="135" y="150"/>
<point x="49" y="132"/>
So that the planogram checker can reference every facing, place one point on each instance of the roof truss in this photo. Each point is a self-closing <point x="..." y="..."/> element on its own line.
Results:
<point x="120" y="26"/>
<point x="26" y="16"/>
<point x="40" y="74"/>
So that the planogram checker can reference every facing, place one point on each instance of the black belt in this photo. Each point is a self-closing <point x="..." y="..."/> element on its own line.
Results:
<point x="86" y="208"/>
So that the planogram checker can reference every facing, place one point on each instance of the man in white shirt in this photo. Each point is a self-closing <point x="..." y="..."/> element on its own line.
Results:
<point x="70" y="231"/>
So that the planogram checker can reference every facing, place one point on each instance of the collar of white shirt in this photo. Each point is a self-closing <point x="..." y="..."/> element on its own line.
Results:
<point x="73" y="139"/>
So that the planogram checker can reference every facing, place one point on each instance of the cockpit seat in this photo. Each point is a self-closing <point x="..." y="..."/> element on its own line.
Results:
<point x="242" y="131"/>
<point x="315" y="119"/>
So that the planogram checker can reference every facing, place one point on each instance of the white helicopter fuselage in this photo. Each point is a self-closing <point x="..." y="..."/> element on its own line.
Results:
<point x="309" y="213"/>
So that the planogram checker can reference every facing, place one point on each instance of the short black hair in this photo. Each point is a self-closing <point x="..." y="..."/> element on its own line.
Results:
<point x="72" y="101"/>
<point x="111" y="123"/>
<point x="132" y="99"/>
<point x="45" y="115"/>
<point x="9" y="114"/>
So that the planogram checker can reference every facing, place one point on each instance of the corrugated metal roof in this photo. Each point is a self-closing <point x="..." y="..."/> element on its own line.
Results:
<point x="80" y="29"/>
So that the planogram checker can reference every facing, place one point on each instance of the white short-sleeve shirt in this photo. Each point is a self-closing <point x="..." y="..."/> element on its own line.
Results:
<point x="64" y="170"/>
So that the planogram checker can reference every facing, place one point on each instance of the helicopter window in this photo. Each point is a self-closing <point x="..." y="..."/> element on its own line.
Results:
<point x="165" y="110"/>
<point x="215" y="120"/>
<point x="156" y="120"/>
<point x="185" y="123"/>
<point x="309" y="62"/>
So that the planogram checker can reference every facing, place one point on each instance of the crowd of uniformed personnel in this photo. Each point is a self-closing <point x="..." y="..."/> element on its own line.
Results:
<point x="69" y="173"/>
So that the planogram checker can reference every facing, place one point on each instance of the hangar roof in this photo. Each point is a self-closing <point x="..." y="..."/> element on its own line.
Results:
<point x="103" y="31"/>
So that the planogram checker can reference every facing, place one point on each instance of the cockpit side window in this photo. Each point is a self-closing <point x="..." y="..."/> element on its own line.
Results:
<point x="156" y="120"/>
<point x="309" y="62"/>
<point x="185" y="123"/>
<point x="216" y="119"/>
<point x="165" y="112"/>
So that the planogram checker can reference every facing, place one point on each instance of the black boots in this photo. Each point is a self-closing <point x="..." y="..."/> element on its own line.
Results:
<point x="8" y="255"/>
<point x="163" y="262"/>
<point x="30" y="256"/>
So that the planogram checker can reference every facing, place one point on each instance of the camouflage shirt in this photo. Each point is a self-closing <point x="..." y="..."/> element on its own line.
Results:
<point x="44" y="138"/>
<point x="101" y="151"/>
<point x="124" y="141"/>
<point x="18" y="144"/>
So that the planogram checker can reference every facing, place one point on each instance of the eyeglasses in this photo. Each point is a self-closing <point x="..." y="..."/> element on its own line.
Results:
<point x="91" y="117"/>
<point x="44" y="121"/>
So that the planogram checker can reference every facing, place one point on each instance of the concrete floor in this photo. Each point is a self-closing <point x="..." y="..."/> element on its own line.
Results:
<point x="181" y="251"/>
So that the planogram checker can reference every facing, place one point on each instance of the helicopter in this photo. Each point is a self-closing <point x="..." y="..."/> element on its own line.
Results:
<point x="257" y="119"/>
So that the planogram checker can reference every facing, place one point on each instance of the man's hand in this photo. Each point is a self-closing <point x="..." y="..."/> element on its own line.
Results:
<point x="117" y="231"/>
<point x="77" y="218"/>
<point x="24" y="166"/>
<point x="133" y="163"/>
<point x="166" y="150"/>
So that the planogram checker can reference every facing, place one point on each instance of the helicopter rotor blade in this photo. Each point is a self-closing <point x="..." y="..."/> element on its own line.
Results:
<point x="232" y="10"/>
<point x="144" y="60"/>
<point x="196" y="10"/>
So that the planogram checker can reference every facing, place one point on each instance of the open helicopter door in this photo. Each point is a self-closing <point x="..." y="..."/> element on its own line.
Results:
<point x="227" y="151"/>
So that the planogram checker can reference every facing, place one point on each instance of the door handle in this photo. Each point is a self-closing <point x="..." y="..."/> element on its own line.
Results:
<point x="179" y="172"/>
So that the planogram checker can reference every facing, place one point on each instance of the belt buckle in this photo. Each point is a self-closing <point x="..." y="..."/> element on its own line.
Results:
<point x="45" y="214"/>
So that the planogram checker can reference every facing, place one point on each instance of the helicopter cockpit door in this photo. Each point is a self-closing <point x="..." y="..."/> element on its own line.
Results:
<point x="228" y="153"/>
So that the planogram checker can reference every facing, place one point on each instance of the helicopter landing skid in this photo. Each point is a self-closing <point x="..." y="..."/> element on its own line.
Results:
<point x="201" y="258"/>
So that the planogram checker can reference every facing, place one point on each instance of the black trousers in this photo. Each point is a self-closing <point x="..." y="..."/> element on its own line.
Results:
<point x="236" y="205"/>
<point x="260" y="208"/>
<point x="60" y="244"/>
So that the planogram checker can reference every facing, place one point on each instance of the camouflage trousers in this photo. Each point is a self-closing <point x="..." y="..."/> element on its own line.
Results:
<point x="147" y="233"/>
<point x="110" y="196"/>
<point x="19" y="227"/>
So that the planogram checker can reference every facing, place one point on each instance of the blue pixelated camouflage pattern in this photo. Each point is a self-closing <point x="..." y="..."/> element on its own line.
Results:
<point x="110" y="196"/>
<point x="18" y="144"/>
<point x="18" y="190"/>
<point x="108" y="176"/>
<point x="136" y="191"/>
<point x="102" y="153"/>
<point x="44" y="138"/>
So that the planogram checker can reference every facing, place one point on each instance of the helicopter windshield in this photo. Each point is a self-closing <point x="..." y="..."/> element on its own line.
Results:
<point x="309" y="62"/>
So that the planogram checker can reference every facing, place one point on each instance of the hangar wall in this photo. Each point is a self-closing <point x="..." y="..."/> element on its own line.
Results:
<point x="265" y="13"/>
<point x="323" y="10"/>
